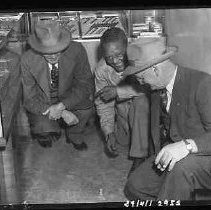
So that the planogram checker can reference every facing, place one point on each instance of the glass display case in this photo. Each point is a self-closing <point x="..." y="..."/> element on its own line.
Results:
<point x="84" y="24"/>
<point x="12" y="27"/>
<point x="13" y="31"/>
<point x="68" y="19"/>
<point x="94" y="24"/>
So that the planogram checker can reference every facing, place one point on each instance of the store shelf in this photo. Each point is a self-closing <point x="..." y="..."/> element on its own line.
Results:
<point x="94" y="25"/>
<point x="83" y="24"/>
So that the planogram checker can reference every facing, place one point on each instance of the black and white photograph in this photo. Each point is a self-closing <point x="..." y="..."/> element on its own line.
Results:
<point x="105" y="107"/>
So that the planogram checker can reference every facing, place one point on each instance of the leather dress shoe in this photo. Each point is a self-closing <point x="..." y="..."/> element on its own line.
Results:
<point x="110" y="153"/>
<point x="45" y="142"/>
<point x="46" y="139"/>
<point x="79" y="146"/>
<point x="136" y="163"/>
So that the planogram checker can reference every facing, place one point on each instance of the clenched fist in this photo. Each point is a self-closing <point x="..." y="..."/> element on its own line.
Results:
<point x="69" y="118"/>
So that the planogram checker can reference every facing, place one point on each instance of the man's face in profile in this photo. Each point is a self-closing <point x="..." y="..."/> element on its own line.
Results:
<point x="115" y="55"/>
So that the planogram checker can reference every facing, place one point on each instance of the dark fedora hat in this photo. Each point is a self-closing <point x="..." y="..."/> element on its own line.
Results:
<point x="143" y="55"/>
<point x="49" y="37"/>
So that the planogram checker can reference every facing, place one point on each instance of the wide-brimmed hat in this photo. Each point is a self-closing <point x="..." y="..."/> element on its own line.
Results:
<point x="49" y="37"/>
<point x="143" y="55"/>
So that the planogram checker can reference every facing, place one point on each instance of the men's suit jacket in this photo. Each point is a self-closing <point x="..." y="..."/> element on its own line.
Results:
<point x="76" y="83"/>
<point x="190" y="110"/>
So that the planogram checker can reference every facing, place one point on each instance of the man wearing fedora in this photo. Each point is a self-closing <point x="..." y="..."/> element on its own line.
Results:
<point x="179" y="165"/>
<point x="118" y="101"/>
<point x="58" y="85"/>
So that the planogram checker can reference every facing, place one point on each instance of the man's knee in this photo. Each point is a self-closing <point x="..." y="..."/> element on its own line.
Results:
<point x="134" y="182"/>
<point x="179" y="183"/>
<point x="130" y="192"/>
<point x="184" y="169"/>
<point x="187" y="164"/>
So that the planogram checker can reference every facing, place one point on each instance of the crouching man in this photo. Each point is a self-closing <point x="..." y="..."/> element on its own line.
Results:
<point x="58" y="86"/>
<point x="122" y="104"/>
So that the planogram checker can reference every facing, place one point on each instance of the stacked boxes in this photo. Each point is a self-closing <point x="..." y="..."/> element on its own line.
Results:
<point x="149" y="28"/>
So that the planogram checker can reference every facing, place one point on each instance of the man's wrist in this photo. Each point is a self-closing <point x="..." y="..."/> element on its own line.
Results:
<point x="110" y="134"/>
<point x="61" y="106"/>
<point x="191" y="145"/>
<point x="63" y="111"/>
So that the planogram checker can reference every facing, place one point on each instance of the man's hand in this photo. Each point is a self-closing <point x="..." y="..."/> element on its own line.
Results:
<point x="170" y="154"/>
<point x="55" y="111"/>
<point x="69" y="118"/>
<point x="111" y="150"/>
<point x="107" y="93"/>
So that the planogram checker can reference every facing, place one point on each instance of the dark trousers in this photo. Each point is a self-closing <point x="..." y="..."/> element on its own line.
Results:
<point x="41" y="124"/>
<point x="189" y="175"/>
<point x="139" y="127"/>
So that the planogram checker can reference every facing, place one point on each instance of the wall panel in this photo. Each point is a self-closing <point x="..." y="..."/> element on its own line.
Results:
<point x="190" y="30"/>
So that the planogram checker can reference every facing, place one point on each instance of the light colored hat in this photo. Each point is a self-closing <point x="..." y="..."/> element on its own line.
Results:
<point x="144" y="55"/>
<point x="49" y="38"/>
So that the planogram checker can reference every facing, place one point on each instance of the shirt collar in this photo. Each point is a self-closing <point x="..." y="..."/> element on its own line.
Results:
<point x="119" y="73"/>
<point x="50" y="65"/>
<point x="169" y="87"/>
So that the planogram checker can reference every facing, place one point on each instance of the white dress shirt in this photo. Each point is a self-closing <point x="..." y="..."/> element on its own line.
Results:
<point x="1" y="130"/>
<point x="50" y="67"/>
<point x="169" y="88"/>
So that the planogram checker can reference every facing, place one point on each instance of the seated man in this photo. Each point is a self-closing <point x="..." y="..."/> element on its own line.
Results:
<point x="116" y="98"/>
<point x="180" y="162"/>
<point x="58" y="86"/>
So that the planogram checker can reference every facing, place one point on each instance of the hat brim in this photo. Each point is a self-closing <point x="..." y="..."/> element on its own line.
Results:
<point x="137" y="67"/>
<point x="61" y="45"/>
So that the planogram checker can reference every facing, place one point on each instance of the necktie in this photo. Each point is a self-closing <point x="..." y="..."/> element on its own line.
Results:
<point x="164" y="99"/>
<point x="164" y="117"/>
<point x="54" y="76"/>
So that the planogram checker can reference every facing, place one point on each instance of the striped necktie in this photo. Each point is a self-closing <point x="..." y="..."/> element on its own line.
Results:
<point x="54" y="76"/>
<point x="164" y="99"/>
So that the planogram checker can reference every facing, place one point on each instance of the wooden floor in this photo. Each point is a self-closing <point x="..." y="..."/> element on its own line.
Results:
<point x="62" y="174"/>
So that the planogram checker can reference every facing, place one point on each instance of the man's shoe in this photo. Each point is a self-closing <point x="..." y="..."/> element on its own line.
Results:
<point x="81" y="146"/>
<point x="110" y="153"/>
<point x="136" y="163"/>
<point x="45" y="142"/>
<point x="46" y="139"/>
